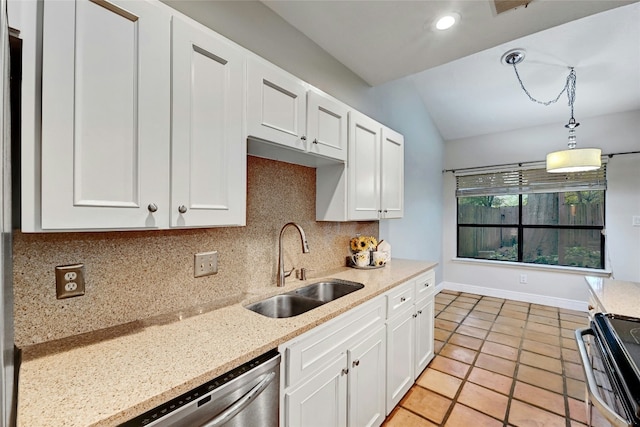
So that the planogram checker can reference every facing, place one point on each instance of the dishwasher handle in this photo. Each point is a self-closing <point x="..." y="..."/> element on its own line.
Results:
<point x="241" y="403"/>
<point x="592" y="387"/>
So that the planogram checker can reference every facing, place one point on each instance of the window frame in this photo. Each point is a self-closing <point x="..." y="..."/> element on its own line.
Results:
<point x="522" y="227"/>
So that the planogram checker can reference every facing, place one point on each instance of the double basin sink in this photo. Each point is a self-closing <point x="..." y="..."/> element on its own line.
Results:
<point x="304" y="299"/>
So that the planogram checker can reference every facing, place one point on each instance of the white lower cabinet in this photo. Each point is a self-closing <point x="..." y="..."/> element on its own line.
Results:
<point x="410" y="344"/>
<point x="401" y="355"/>
<point x="424" y="334"/>
<point x="334" y="375"/>
<point x="321" y="400"/>
<point x="353" y="370"/>
<point x="366" y="383"/>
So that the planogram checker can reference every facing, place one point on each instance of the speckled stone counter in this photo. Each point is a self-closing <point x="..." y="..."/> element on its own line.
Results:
<point x="616" y="296"/>
<point x="111" y="380"/>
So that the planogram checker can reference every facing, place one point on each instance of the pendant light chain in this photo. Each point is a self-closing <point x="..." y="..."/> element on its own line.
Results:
<point x="569" y="87"/>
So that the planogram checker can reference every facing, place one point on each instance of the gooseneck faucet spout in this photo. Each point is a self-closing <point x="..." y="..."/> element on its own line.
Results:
<point x="282" y="274"/>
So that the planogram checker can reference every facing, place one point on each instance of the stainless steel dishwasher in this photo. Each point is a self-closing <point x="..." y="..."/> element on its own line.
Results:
<point x="244" y="397"/>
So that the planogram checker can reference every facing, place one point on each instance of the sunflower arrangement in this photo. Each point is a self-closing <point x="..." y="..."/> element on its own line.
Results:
<point x="363" y="243"/>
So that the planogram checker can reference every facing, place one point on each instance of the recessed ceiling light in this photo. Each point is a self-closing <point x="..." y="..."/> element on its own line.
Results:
<point x="447" y="21"/>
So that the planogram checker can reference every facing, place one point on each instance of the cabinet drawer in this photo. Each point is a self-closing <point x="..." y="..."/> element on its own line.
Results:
<point x="425" y="285"/>
<point x="400" y="298"/>
<point x="314" y="349"/>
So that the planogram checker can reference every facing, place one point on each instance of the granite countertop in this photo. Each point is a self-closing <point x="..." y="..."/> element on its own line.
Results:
<point x="116" y="378"/>
<point x="616" y="296"/>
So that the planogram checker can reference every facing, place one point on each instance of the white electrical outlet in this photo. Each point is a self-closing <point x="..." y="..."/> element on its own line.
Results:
<point x="523" y="279"/>
<point x="205" y="264"/>
<point x="69" y="281"/>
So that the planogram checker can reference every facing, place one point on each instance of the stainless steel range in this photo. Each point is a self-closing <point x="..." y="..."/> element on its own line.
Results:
<point x="610" y="352"/>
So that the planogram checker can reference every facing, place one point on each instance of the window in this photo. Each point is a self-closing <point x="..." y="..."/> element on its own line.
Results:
<point x="532" y="216"/>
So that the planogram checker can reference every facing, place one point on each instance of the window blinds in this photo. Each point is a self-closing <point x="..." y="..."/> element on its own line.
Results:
<point x="527" y="181"/>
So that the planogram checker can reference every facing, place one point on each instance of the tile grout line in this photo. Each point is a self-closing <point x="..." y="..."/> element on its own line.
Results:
<point x="565" y="395"/>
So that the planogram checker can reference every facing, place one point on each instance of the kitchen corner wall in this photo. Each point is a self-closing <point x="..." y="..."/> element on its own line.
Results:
<point x="135" y="275"/>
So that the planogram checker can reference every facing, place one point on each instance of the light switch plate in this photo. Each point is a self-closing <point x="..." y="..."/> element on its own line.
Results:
<point x="69" y="281"/>
<point x="205" y="264"/>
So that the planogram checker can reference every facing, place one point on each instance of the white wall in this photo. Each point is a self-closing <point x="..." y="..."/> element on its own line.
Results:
<point x="612" y="133"/>
<point x="623" y="202"/>
<point x="418" y="234"/>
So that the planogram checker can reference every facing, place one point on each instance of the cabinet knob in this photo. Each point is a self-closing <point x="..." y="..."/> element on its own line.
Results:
<point x="419" y="311"/>
<point x="345" y="371"/>
<point x="182" y="209"/>
<point x="315" y="141"/>
<point x="152" y="207"/>
<point x="402" y="299"/>
<point x="304" y="138"/>
<point x="415" y="315"/>
<point x="590" y="307"/>
<point x="356" y="363"/>
<point x="385" y="211"/>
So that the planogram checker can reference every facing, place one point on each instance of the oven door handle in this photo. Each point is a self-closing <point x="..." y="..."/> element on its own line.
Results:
<point x="241" y="403"/>
<point x="592" y="387"/>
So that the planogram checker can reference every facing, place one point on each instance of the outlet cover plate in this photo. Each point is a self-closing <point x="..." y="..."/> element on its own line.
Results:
<point x="205" y="264"/>
<point x="69" y="281"/>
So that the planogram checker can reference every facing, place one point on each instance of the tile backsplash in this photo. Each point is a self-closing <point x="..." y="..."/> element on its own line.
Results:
<point x="135" y="275"/>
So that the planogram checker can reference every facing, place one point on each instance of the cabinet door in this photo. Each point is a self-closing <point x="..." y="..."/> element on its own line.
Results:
<point x="208" y="154"/>
<point x="321" y="401"/>
<point x="392" y="174"/>
<point x="400" y="356"/>
<point x="326" y="126"/>
<point x="105" y="114"/>
<point x="363" y="167"/>
<point x="367" y="366"/>
<point x="424" y="334"/>
<point x="276" y="105"/>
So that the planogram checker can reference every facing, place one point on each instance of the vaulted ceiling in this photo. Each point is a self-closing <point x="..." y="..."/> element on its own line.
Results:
<point x="458" y="73"/>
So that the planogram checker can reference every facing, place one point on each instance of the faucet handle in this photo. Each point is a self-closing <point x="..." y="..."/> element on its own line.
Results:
<point x="288" y="273"/>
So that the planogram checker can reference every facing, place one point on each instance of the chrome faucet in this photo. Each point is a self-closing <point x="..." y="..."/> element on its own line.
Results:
<point x="282" y="274"/>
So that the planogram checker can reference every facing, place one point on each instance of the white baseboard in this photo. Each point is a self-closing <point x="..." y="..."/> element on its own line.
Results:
<point x="513" y="295"/>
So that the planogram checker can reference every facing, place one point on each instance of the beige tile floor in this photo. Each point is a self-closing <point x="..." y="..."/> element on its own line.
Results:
<point x="498" y="363"/>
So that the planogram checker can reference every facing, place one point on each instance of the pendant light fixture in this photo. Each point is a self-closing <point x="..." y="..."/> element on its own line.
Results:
<point x="572" y="159"/>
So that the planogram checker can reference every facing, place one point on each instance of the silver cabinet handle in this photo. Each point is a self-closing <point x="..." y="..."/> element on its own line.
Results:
<point x="345" y="371"/>
<point x="241" y="403"/>
<point x="152" y="207"/>
<point x="592" y="386"/>
<point x="182" y="209"/>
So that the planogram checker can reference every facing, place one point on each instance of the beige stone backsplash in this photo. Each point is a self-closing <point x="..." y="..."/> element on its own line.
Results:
<point x="136" y="275"/>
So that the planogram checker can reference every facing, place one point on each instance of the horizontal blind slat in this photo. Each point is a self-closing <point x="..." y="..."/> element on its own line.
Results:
<point x="527" y="181"/>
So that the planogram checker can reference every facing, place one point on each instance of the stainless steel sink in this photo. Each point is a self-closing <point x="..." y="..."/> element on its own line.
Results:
<point x="284" y="305"/>
<point x="329" y="290"/>
<point x="304" y="299"/>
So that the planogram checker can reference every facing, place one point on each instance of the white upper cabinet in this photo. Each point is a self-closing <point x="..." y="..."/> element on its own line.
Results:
<point x="276" y="105"/>
<point x="208" y="153"/>
<point x="392" y="174"/>
<point x="142" y="120"/>
<point x="363" y="167"/>
<point x="105" y="115"/>
<point x="371" y="185"/>
<point x="326" y="126"/>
